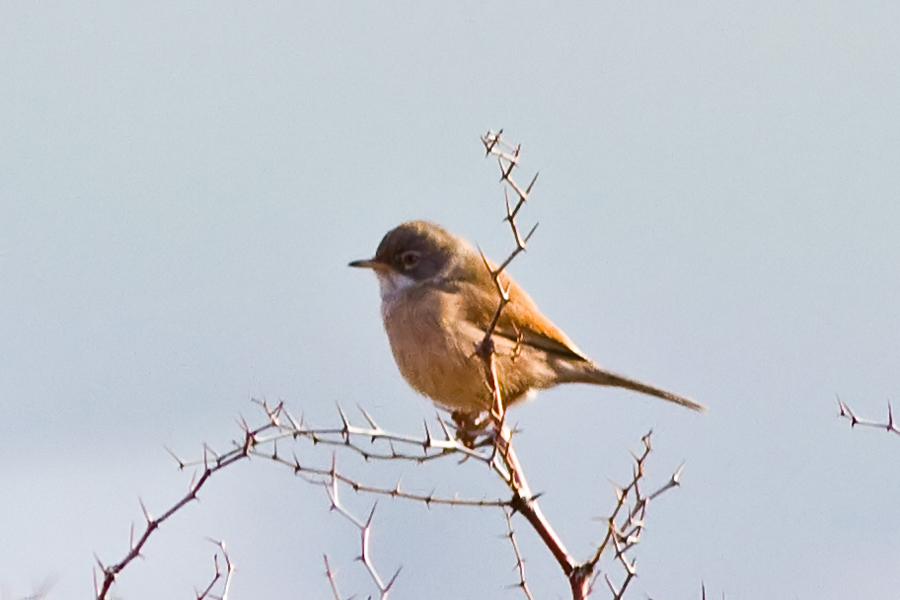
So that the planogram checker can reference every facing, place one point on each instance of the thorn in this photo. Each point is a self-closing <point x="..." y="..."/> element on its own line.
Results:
<point x="444" y="427"/>
<point x="344" y="419"/>
<point x="243" y="424"/>
<point x="428" y="442"/>
<point x="144" y="510"/>
<point x="631" y="568"/>
<point x="181" y="464"/>
<point x="391" y="582"/>
<point x="530" y="185"/>
<point x="294" y="424"/>
<point x="484" y="258"/>
<point x="371" y="514"/>
<point x="208" y="449"/>
<point x="507" y="171"/>
<point x="368" y="417"/>
<point x="676" y="476"/>
<point x="841" y="406"/>
<point x="530" y="233"/>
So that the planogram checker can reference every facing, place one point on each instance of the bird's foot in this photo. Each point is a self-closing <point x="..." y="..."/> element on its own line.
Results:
<point x="473" y="429"/>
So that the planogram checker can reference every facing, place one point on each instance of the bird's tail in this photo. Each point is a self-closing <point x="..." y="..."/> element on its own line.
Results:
<point x="593" y="373"/>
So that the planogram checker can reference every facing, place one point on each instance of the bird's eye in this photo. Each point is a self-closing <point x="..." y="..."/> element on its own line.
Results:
<point x="409" y="259"/>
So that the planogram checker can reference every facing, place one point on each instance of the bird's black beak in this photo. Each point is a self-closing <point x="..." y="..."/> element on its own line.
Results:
<point x="368" y="263"/>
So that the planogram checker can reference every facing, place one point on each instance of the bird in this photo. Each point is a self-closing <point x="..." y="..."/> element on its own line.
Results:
<point x="438" y="299"/>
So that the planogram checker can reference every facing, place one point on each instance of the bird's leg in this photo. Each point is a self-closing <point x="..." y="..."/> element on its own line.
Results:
<point x="470" y="426"/>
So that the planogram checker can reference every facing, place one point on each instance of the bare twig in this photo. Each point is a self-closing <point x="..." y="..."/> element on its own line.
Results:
<point x="225" y="575"/>
<point x="507" y="157"/>
<point x="623" y="526"/>
<point x="322" y="476"/>
<point x="848" y="414"/>
<point x="332" y="579"/>
<point x="520" y="562"/>
<point x="212" y="463"/>
<point x="523" y="500"/>
<point x="626" y="523"/>
<point x="365" y="530"/>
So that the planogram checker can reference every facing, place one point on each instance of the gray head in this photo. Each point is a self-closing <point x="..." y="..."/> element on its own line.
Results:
<point x="418" y="251"/>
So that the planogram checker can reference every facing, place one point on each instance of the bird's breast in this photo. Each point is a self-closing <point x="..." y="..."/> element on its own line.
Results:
<point x="434" y="349"/>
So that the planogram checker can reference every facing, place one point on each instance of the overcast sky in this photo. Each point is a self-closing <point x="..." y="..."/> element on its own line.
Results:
<point x="182" y="185"/>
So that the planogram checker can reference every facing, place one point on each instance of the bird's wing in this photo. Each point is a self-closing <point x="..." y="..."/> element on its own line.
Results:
<point x="520" y="321"/>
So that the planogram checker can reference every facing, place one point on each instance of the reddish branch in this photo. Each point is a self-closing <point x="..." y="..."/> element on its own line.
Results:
<point x="580" y="575"/>
<point x="211" y="465"/>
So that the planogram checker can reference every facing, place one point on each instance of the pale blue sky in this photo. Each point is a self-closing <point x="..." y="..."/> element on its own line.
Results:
<point x="183" y="184"/>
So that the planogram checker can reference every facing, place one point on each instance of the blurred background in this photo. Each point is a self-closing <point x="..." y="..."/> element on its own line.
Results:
<point x="182" y="185"/>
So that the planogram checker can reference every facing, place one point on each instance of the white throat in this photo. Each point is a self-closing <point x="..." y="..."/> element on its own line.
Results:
<point x="392" y="285"/>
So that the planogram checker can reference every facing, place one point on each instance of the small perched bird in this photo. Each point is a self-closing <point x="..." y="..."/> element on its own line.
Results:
<point x="437" y="302"/>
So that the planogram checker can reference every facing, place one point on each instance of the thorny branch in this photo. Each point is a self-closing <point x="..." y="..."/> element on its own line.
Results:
<point x="621" y="535"/>
<point x="508" y="158"/>
<point x="219" y="574"/>
<point x="280" y="425"/>
<point x="523" y="500"/>
<point x="332" y="579"/>
<point x="623" y="531"/>
<point x="365" y="529"/>
<point x="624" y="525"/>
<point x="848" y="414"/>
<point x="211" y="464"/>
<point x="520" y="562"/>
